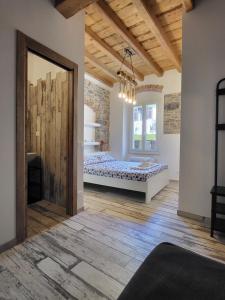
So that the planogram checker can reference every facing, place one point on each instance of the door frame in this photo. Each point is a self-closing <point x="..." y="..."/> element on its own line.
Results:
<point x="25" y="44"/>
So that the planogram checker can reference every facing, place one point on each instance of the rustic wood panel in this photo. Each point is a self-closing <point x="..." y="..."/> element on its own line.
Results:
<point x="47" y="133"/>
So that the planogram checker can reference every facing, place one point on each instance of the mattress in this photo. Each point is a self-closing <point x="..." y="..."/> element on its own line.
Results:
<point x="123" y="170"/>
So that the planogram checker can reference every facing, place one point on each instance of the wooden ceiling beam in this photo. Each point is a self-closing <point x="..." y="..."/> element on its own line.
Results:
<point x="99" y="78"/>
<point x="96" y="63"/>
<point x="108" y="50"/>
<point x="154" y="25"/>
<point x="68" y="8"/>
<point x="108" y="14"/>
<point x="188" y="5"/>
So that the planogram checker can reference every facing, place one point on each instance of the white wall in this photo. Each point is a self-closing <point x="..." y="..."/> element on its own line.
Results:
<point x="39" y="67"/>
<point x="171" y="81"/>
<point x="169" y="144"/>
<point x="117" y="130"/>
<point x="203" y="66"/>
<point x="41" y="21"/>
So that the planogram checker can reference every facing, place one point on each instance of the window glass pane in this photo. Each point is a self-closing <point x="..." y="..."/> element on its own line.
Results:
<point x="150" y="129"/>
<point x="137" y="128"/>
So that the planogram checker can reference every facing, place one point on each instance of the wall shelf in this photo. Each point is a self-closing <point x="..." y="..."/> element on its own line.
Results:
<point x="92" y="124"/>
<point x="91" y="143"/>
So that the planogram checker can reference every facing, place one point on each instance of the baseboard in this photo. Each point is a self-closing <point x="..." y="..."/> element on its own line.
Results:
<point x="8" y="245"/>
<point x="204" y="220"/>
<point x="80" y="210"/>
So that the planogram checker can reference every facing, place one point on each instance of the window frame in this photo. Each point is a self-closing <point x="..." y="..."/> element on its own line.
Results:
<point x="143" y="150"/>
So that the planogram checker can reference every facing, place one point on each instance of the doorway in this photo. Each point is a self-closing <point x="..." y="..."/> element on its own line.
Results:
<point x="46" y="131"/>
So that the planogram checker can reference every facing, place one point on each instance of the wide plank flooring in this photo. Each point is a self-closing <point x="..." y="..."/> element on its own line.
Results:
<point x="94" y="254"/>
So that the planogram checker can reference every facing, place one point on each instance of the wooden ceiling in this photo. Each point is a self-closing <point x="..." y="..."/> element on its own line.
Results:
<point x="153" y="28"/>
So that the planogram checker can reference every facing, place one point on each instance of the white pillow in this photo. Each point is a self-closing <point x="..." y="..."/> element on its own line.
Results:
<point x="143" y="159"/>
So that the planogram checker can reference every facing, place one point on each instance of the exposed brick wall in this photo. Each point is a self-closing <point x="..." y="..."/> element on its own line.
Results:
<point x="98" y="99"/>
<point x="149" y="88"/>
<point x="172" y="113"/>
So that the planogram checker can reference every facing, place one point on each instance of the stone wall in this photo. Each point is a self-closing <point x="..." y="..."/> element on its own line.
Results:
<point x="172" y="113"/>
<point x="98" y="99"/>
<point x="149" y="88"/>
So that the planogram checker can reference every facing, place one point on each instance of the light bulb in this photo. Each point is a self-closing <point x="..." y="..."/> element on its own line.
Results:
<point x="134" y="102"/>
<point x="120" y="95"/>
<point x="123" y="96"/>
<point x="130" y="100"/>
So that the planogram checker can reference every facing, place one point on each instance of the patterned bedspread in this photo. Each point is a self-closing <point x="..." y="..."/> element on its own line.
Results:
<point x="123" y="170"/>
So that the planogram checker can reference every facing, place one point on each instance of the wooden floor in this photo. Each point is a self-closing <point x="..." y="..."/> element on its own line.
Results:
<point x="94" y="254"/>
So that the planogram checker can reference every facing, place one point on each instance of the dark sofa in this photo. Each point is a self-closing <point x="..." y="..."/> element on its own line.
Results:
<point x="173" y="273"/>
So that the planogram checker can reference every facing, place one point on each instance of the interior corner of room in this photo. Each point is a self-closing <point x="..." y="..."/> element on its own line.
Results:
<point x="112" y="142"/>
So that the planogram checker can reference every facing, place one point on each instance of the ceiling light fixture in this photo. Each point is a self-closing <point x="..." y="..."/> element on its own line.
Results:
<point x="127" y="83"/>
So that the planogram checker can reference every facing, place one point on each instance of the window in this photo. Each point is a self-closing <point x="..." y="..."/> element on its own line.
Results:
<point x="144" y="128"/>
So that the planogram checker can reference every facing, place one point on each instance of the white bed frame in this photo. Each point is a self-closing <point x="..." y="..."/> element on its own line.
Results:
<point x="151" y="187"/>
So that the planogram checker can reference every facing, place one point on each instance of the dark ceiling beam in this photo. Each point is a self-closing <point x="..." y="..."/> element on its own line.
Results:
<point x="188" y="5"/>
<point x="68" y="8"/>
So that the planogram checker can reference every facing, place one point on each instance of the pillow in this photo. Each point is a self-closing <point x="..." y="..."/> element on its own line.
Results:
<point x="143" y="159"/>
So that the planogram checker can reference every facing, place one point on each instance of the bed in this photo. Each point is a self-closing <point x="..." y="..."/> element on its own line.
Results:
<point x="104" y="169"/>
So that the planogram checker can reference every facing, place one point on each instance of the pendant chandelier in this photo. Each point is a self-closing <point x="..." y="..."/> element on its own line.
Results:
<point x="127" y="82"/>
